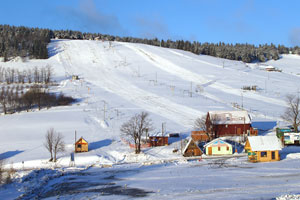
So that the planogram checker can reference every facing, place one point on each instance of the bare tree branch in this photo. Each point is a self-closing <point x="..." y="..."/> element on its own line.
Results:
<point x="54" y="143"/>
<point x="292" y="112"/>
<point x="136" y="127"/>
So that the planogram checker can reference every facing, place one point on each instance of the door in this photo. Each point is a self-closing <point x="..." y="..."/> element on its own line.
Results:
<point x="239" y="131"/>
<point x="209" y="150"/>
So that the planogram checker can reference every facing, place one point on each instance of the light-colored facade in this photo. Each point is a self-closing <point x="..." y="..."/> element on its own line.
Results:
<point x="218" y="147"/>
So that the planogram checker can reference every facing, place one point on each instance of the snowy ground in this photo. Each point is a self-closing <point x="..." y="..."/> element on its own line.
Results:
<point x="125" y="79"/>
<point x="231" y="178"/>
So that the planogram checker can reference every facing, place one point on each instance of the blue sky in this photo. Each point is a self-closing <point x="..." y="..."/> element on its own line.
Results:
<point x="230" y="21"/>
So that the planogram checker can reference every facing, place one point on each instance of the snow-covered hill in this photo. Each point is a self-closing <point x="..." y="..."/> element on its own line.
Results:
<point x="174" y="86"/>
<point x="118" y="80"/>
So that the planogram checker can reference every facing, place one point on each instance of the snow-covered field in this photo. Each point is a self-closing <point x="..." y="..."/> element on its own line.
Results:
<point x="123" y="79"/>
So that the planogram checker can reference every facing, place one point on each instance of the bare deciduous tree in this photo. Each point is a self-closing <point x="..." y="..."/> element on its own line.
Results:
<point x="136" y="127"/>
<point x="49" y="137"/>
<point x="59" y="145"/>
<point x="292" y="112"/>
<point x="1" y="170"/>
<point x="36" y="75"/>
<point x="3" y="100"/>
<point x="49" y="74"/>
<point x="54" y="143"/>
<point x="200" y="123"/>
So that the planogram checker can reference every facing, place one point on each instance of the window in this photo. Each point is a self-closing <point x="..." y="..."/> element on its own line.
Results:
<point x="273" y="155"/>
<point x="263" y="154"/>
<point x="287" y="137"/>
<point x="219" y="148"/>
<point x="79" y="146"/>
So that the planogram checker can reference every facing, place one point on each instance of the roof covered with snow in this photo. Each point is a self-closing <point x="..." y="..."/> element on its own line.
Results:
<point x="158" y="134"/>
<point x="217" y="142"/>
<point x="264" y="143"/>
<point x="229" y="117"/>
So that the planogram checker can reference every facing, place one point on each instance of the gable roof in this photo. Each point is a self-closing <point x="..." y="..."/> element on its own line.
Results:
<point x="81" y="141"/>
<point x="188" y="144"/>
<point x="217" y="142"/>
<point x="158" y="134"/>
<point x="229" y="117"/>
<point x="264" y="143"/>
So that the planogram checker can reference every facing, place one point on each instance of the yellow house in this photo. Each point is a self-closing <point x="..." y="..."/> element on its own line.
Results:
<point x="81" y="145"/>
<point x="263" y="148"/>
<point x="218" y="147"/>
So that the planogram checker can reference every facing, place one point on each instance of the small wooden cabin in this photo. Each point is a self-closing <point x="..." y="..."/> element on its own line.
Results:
<point x="75" y="77"/>
<point x="218" y="147"/>
<point x="81" y="145"/>
<point x="158" y="139"/>
<point x="192" y="149"/>
<point x="199" y="136"/>
<point x="263" y="148"/>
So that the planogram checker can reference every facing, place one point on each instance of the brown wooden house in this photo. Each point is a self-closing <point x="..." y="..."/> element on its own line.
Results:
<point x="81" y="145"/>
<point x="192" y="149"/>
<point x="228" y="123"/>
<point x="199" y="136"/>
<point x="263" y="148"/>
<point x="158" y="139"/>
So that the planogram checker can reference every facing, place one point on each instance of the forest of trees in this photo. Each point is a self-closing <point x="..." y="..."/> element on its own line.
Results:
<point x="24" y="42"/>
<point x="32" y="42"/>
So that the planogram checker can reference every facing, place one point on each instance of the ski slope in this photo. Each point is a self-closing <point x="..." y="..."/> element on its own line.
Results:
<point x="118" y="80"/>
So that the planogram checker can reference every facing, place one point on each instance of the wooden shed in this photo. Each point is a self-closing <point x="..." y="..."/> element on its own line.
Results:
<point x="263" y="148"/>
<point x="158" y="139"/>
<point x="199" y="136"/>
<point x="192" y="149"/>
<point x="218" y="147"/>
<point x="81" y="145"/>
<point x="75" y="77"/>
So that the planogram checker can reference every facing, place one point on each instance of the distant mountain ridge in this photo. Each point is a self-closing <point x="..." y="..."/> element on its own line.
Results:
<point x="32" y="42"/>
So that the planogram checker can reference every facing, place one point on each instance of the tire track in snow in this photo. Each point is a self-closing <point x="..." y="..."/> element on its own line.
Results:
<point x="113" y="83"/>
<point x="187" y="75"/>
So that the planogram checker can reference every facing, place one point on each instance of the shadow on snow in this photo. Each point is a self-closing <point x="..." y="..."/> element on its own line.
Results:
<point x="9" y="154"/>
<point x="99" y="144"/>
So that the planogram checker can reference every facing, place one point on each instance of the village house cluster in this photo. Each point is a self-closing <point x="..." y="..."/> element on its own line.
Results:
<point x="227" y="133"/>
<point x="231" y="132"/>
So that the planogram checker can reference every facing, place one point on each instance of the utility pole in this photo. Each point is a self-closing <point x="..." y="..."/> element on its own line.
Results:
<point x="104" y="110"/>
<point x="75" y="140"/>
<point x="242" y="101"/>
<point x="235" y="141"/>
<point x="118" y="112"/>
<point x="180" y="144"/>
<point x="265" y="86"/>
<point x="244" y="131"/>
<point x="163" y="128"/>
<point x="191" y="91"/>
